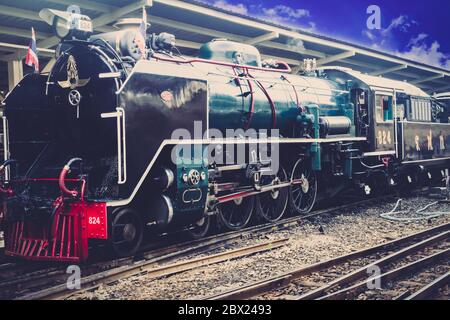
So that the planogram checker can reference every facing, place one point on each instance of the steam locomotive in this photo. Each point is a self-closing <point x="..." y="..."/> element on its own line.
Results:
<point x="119" y="138"/>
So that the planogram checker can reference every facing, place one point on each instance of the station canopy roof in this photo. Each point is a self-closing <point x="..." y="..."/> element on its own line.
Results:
<point x="194" y="23"/>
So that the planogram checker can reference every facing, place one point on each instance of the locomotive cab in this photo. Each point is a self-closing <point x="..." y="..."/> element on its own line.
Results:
<point x="380" y="105"/>
<point x="407" y="130"/>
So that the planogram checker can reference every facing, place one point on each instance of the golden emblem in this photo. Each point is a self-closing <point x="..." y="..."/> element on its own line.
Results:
<point x="73" y="81"/>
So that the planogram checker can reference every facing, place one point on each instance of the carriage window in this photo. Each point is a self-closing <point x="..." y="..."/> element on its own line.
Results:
<point x="383" y="108"/>
<point x="420" y="110"/>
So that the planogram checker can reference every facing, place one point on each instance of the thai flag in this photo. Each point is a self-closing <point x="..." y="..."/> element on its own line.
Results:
<point x="32" y="58"/>
<point x="142" y="33"/>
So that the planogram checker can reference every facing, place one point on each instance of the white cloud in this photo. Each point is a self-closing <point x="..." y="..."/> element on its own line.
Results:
<point x="382" y="37"/>
<point x="312" y="27"/>
<point x="417" y="40"/>
<point x="296" y="45"/>
<point x="401" y="23"/>
<point x="236" y="8"/>
<point x="369" y="35"/>
<point x="419" y="50"/>
<point x="281" y="14"/>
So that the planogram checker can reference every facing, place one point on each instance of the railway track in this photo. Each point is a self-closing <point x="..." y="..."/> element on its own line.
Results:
<point x="150" y="270"/>
<point x="22" y="279"/>
<point x="363" y="274"/>
<point x="431" y="290"/>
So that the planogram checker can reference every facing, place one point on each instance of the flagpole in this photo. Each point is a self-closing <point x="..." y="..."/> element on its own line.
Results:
<point x="142" y="35"/>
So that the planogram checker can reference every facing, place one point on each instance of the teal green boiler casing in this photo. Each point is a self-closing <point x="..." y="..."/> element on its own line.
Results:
<point x="265" y="100"/>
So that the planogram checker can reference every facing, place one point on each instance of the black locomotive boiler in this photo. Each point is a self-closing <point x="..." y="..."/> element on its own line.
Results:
<point x="115" y="140"/>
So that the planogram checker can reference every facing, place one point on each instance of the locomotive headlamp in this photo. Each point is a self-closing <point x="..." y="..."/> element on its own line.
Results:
<point x="67" y="24"/>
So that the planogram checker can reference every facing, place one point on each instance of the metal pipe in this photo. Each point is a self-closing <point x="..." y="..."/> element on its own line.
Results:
<point x="252" y="105"/>
<point x="62" y="177"/>
<point x="251" y="192"/>
<point x="269" y="98"/>
<point x="226" y="64"/>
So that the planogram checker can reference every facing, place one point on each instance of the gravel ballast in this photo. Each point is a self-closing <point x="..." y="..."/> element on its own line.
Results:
<point x="318" y="239"/>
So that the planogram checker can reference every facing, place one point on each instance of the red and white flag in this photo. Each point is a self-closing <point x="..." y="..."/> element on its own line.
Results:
<point x="32" y="57"/>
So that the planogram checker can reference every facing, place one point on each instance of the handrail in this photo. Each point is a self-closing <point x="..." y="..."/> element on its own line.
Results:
<point x="6" y="146"/>
<point x="227" y="64"/>
<point x="3" y="167"/>
<point x="121" y="143"/>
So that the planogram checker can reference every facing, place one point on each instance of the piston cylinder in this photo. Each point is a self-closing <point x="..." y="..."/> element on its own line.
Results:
<point x="334" y="125"/>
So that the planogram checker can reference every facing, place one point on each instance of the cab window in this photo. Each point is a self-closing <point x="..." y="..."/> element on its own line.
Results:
<point x="383" y="108"/>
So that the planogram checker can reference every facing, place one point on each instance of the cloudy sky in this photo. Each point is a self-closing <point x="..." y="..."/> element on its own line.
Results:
<point x="416" y="29"/>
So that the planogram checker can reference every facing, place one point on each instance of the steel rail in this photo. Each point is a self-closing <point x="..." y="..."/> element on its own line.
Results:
<point x="35" y="278"/>
<point x="194" y="245"/>
<point x="430" y="288"/>
<point x="361" y="272"/>
<point x="151" y="270"/>
<point x="259" y="287"/>
<point x="352" y="291"/>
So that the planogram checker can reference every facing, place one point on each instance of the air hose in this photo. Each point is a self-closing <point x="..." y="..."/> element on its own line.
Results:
<point x="62" y="178"/>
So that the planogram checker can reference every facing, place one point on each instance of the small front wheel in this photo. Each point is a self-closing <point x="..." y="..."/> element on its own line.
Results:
<point x="126" y="232"/>
<point x="201" y="228"/>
